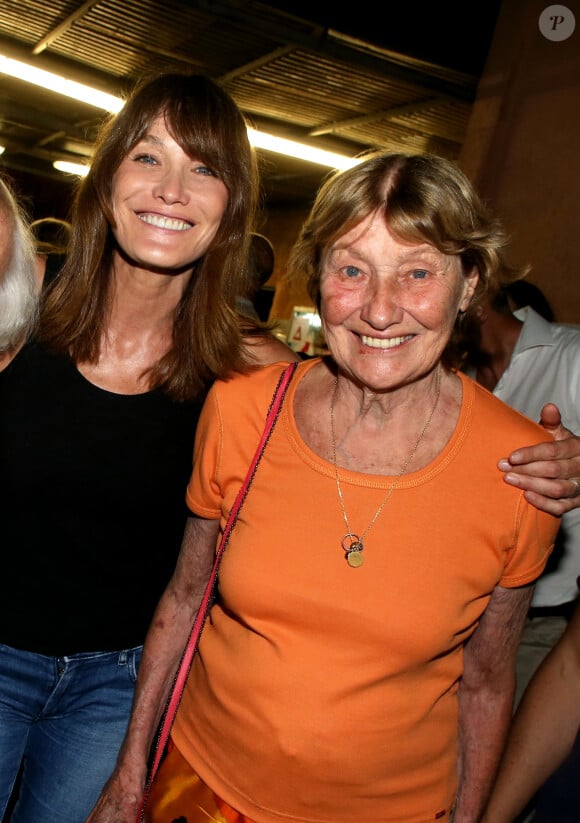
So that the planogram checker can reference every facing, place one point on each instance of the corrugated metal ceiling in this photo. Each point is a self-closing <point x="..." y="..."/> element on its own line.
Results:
<point x="291" y="76"/>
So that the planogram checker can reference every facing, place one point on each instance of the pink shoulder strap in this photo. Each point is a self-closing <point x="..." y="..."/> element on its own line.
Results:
<point x="178" y="686"/>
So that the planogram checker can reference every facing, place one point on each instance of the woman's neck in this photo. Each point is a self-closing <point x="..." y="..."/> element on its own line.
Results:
<point x="139" y="331"/>
<point x="144" y="298"/>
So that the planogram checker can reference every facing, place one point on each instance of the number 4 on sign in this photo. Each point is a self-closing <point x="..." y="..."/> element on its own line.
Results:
<point x="301" y="330"/>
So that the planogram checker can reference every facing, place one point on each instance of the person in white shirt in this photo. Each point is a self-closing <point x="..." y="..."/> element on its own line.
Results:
<point x="527" y="361"/>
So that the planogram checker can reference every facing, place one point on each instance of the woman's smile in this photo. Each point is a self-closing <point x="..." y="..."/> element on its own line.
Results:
<point x="385" y="343"/>
<point x="162" y="222"/>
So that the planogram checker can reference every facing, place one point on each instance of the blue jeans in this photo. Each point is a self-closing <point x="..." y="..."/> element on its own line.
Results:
<point x="63" y="720"/>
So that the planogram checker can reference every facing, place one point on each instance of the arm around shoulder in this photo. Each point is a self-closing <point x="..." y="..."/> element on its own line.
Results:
<point x="548" y="472"/>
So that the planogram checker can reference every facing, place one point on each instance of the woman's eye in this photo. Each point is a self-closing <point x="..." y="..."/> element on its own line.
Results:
<point x="351" y="271"/>
<point x="205" y="170"/>
<point x="146" y="159"/>
<point x="419" y="274"/>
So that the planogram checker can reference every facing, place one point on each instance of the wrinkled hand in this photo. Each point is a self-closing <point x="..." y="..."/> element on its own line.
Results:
<point x="548" y="472"/>
<point x="119" y="801"/>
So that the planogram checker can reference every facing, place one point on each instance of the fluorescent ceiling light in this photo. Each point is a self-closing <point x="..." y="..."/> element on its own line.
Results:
<point x="79" y="169"/>
<point x="291" y="148"/>
<point x="110" y="103"/>
<point x="59" y="84"/>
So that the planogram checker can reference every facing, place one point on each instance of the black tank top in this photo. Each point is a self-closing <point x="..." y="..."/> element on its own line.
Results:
<point x="92" y="506"/>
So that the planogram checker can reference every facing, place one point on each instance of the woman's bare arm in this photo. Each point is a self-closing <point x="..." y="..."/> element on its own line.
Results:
<point x="166" y="639"/>
<point x="486" y="694"/>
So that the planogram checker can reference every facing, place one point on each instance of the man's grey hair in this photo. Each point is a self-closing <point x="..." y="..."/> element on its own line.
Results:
<point x="18" y="289"/>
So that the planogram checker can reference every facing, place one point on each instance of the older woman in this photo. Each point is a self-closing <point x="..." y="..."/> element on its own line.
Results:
<point x="358" y="664"/>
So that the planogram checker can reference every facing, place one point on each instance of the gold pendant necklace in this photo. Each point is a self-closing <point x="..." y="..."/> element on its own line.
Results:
<point x="352" y="544"/>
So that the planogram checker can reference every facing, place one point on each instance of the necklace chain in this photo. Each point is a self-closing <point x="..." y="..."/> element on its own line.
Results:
<point x="351" y="543"/>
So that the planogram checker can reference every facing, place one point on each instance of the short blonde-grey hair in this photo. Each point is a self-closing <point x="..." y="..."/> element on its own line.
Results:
<point x="423" y="199"/>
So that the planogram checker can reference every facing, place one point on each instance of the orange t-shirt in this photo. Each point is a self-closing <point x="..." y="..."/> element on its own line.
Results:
<point x="324" y="693"/>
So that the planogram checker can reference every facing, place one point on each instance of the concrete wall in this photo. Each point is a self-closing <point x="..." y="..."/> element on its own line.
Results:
<point x="522" y="151"/>
<point x="522" y="148"/>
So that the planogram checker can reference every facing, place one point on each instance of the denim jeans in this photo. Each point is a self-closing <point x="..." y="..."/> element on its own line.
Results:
<point x="63" y="719"/>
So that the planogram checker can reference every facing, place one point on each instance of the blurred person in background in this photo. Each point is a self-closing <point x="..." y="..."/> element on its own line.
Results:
<point x="262" y="258"/>
<point x="525" y="360"/>
<point x="52" y="237"/>
<point x="522" y="293"/>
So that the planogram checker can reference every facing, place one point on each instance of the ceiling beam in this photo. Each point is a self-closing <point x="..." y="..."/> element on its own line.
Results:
<point x="63" y="27"/>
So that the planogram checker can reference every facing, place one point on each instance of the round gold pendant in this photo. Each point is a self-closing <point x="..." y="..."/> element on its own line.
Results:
<point x="354" y="559"/>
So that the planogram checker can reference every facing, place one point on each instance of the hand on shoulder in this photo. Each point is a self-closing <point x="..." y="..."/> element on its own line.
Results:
<point x="548" y="472"/>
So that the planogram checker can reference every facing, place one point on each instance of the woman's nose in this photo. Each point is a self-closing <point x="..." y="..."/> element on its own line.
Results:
<point x="171" y="187"/>
<point x="381" y="307"/>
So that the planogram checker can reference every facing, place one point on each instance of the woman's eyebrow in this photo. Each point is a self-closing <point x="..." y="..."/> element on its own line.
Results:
<point x="149" y="137"/>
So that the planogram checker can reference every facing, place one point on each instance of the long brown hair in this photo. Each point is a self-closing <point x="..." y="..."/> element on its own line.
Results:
<point x="207" y="342"/>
